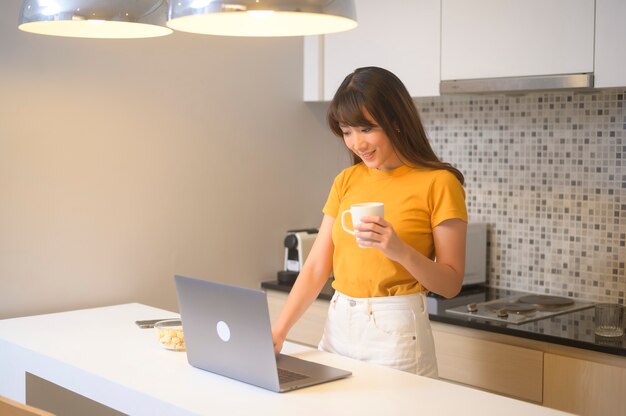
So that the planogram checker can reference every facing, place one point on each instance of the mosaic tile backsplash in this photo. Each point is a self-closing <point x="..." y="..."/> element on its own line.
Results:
<point x="547" y="171"/>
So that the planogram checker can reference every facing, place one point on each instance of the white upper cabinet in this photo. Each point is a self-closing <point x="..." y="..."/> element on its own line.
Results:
<point x="459" y="41"/>
<point x="513" y="38"/>
<point x="610" y="68"/>
<point x="401" y="36"/>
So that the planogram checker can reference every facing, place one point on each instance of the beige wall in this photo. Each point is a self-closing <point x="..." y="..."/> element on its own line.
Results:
<point x="123" y="162"/>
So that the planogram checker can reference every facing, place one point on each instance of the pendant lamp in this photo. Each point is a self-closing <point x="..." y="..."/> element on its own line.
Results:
<point x="262" y="17"/>
<point x="121" y="19"/>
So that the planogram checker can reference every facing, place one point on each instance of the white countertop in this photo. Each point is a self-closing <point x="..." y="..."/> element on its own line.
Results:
<point x="101" y="354"/>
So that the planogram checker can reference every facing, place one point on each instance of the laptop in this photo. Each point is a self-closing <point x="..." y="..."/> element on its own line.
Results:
<point x="228" y="332"/>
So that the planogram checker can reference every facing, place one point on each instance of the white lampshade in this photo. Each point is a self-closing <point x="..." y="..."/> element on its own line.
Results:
<point x="262" y="17"/>
<point x="119" y="19"/>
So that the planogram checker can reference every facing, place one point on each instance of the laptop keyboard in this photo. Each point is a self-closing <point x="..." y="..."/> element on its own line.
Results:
<point x="286" y="376"/>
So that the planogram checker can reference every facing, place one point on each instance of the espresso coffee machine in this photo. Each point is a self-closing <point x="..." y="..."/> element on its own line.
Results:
<point x="297" y="244"/>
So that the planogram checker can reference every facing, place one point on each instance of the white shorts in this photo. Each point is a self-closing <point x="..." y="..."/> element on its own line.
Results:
<point x="393" y="331"/>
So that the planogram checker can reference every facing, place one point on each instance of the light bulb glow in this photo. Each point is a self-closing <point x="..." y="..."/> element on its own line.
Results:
<point x="260" y="13"/>
<point x="199" y="4"/>
<point x="93" y="28"/>
<point x="270" y="25"/>
<point x="267" y="18"/>
<point x="114" y="19"/>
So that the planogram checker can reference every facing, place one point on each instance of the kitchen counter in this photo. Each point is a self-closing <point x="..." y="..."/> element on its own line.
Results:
<point x="326" y="293"/>
<point x="102" y="355"/>
<point x="574" y="329"/>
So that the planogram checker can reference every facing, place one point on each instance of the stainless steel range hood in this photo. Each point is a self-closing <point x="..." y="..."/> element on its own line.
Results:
<point x="517" y="84"/>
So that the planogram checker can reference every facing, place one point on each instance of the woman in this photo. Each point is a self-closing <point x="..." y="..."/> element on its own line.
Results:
<point x="378" y="313"/>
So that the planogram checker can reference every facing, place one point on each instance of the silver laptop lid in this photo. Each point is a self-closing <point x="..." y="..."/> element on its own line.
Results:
<point x="228" y="331"/>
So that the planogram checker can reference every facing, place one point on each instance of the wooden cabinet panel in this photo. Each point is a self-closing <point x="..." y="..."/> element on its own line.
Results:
<point x="584" y="387"/>
<point x="309" y="329"/>
<point x="505" y="369"/>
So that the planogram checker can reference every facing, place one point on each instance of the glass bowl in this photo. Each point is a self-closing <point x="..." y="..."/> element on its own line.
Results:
<point x="170" y="334"/>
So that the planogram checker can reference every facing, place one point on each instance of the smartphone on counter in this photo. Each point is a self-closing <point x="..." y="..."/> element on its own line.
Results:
<point x="149" y="323"/>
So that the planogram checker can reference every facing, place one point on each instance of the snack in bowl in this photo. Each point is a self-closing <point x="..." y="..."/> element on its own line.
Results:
<point x="170" y="334"/>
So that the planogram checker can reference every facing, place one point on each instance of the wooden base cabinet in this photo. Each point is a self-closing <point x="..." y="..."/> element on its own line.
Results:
<point x="583" y="382"/>
<point x="504" y="369"/>
<point x="584" y="387"/>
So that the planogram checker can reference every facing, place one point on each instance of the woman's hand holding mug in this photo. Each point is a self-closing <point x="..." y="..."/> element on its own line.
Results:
<point x="372" y="230"/>
<point x="358" y="211"/>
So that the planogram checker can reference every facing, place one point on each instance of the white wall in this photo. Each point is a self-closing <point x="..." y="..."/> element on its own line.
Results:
<point x="123" y="162"/>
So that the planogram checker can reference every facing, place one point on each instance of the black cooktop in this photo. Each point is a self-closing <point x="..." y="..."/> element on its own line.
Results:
<point x="574" y="329"/>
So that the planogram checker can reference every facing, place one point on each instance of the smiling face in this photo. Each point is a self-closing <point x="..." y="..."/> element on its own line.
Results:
<point x="371" y="144"/>
<point x="375" y="116"/>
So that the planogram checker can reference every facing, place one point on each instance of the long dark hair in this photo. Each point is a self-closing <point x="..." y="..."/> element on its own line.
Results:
<point x="381" y="94"/>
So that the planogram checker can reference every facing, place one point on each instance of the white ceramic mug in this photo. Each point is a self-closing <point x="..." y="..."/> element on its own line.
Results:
<point x="364" y="209"/>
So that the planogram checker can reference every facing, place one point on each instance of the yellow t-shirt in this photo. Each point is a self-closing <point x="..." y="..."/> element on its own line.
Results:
<point x="416" y="200"/>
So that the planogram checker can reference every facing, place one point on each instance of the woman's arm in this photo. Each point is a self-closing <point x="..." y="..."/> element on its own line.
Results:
<point x="443" y="276"/>
<point x="312" y="277"/>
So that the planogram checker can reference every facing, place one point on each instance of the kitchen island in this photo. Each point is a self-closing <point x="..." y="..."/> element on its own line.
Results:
<point x="100" y="354"/>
